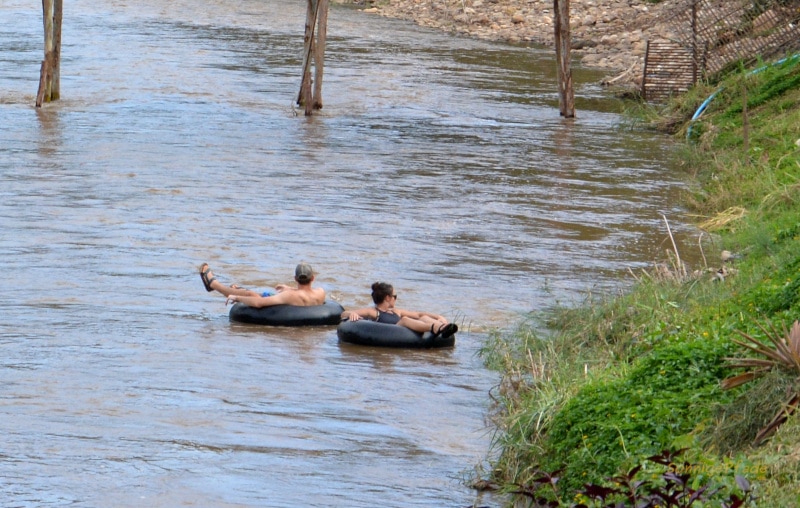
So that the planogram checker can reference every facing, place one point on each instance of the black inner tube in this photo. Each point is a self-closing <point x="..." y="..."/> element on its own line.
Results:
<point x="326" y="314"/>
<point x="370" y="333"/>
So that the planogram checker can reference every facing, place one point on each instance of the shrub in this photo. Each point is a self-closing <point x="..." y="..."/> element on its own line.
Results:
<point x="665" y="395"/>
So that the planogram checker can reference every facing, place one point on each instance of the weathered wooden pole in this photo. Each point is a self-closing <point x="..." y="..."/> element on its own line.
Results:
<point x="50" y="74"/>
<point x="745" y="122"/>
<point x="304" y="97"/>
<point x="319" y="52"/>
<point x="566" y="94"/>
<point x="314" y="50"/>
<point x="695" y="52"/>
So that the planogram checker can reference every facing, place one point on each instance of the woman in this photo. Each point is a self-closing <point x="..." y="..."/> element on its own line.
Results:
<point x="385" y="311"/>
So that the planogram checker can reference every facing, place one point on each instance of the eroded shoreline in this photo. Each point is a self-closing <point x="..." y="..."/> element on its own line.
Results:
<point x="606" y="34"/>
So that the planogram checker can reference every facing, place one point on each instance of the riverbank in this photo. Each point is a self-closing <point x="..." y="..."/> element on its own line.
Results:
<point x="591" y="392"/>
<point x="607" y="34"/>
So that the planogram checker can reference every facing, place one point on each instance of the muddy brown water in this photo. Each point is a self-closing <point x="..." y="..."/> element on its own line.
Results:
<point x="438" y="163"/>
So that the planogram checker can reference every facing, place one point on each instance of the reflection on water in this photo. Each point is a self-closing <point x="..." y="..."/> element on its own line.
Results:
<point x="439" y="164"/>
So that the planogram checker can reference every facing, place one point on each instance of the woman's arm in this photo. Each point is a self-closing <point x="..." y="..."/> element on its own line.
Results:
<point x="355" y="315"/>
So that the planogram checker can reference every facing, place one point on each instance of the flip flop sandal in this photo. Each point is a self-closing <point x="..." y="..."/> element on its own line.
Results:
<point x="204" y="277"/>
<point x="449" y="330"/>
<point x="445" y="331"/>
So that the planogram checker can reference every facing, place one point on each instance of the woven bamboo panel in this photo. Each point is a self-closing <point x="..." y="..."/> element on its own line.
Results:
<point x="669" y="70"/>
<point x="709" y="35"/>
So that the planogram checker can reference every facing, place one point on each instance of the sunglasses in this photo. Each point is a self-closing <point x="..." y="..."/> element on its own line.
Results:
<point x="394" y="296"/>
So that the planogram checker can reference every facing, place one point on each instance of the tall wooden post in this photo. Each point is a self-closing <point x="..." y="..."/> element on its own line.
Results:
<point x="319" y="52"/>
<point x="314" y="50"/>
<point x="566" y="94"/>
<point x="50" y="74"/>
<point x="304" y="97"/>
<point x="695" y="52"/>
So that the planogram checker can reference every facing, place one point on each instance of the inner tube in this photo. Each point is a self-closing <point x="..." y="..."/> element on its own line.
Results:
<point x="329" y="313"/>
<point x="370" y="333"/>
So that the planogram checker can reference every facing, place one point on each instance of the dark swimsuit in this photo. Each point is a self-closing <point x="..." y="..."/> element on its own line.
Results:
<point x="387" y="317"/>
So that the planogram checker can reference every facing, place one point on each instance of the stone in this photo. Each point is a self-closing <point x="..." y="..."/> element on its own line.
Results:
<point x="613" y="30"/>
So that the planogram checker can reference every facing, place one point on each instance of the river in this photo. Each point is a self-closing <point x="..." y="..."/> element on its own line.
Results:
<point x="438" y="163"/>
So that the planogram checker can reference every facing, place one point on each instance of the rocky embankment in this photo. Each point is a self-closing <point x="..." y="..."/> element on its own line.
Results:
<point x="606" y="34"/>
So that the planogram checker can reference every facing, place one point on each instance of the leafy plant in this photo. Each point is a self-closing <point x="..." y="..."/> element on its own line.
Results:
<point x="677" y="486"/>
<point x="674" y="488"/>
<point x="660" y="397"/>
<point x="783" y="353"/>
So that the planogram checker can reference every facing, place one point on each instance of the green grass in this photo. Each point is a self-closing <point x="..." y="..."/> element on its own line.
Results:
<point x="592" y="390"/>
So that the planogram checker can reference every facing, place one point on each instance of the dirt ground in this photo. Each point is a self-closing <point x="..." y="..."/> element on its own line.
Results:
<point x="606" y="34"/>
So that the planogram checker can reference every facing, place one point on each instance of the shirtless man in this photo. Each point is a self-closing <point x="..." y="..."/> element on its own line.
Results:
<point x="303" y="295"/>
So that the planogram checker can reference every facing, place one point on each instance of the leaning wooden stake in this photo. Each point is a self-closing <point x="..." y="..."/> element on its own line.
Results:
<point x="314" y="50"/>
<point x="745" y="123"/>
<point x="566" y="94"/>
<point x="50" y="74"/>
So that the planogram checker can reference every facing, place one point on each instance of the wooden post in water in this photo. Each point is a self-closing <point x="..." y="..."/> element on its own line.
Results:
<point x="50" y="74"/>
<point x="304" y="97"/>
<point x="314" y="50"/>
<point x="566" y="94"/>
<point x="319" y="52"/>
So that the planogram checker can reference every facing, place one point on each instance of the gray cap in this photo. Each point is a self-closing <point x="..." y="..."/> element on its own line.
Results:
<point x="303" y="273"/>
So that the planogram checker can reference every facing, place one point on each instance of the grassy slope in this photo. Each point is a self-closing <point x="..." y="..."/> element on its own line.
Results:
<point x="621" y="379"/>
